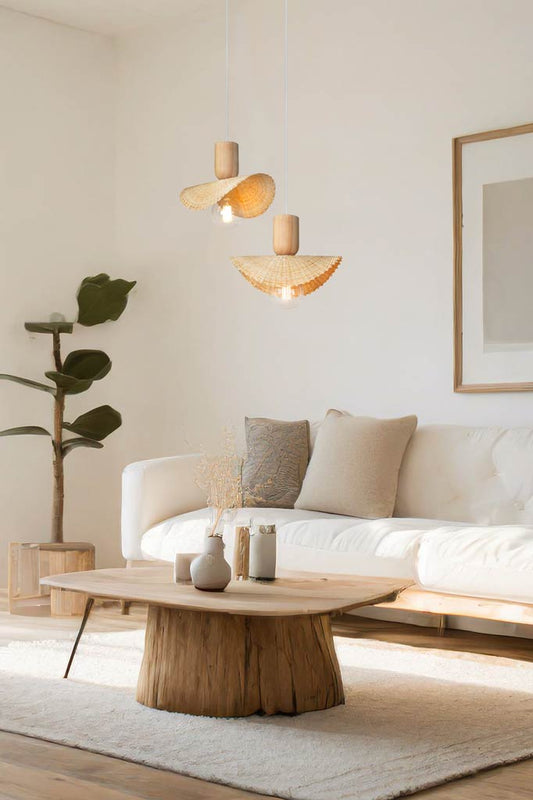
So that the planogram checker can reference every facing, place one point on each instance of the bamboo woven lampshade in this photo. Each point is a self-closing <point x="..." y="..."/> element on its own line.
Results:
<point x="241" y="196"/>
<point x="248" y="195"/>
<point x="285" y="274"/>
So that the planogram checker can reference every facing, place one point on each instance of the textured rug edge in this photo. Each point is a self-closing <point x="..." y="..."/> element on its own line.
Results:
<point x="525" y="755"/>
<point x="464" y="773"/>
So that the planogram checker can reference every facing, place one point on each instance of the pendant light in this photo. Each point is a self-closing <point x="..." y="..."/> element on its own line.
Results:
<point x="285" y="274"/>
<point x="231" y="196"/>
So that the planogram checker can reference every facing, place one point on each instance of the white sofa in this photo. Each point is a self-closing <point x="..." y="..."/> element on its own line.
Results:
<point x="463" y="523"/>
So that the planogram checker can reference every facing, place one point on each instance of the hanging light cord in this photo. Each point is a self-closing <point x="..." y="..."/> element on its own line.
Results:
<point x="227" y="70"/>
<point x="286" y="102"/>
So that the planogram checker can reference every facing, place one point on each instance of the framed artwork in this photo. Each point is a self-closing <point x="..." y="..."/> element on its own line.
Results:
<point x="493" y="260"/>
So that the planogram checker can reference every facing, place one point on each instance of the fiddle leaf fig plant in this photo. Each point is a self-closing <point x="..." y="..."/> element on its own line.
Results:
<point x="100" y="299"/>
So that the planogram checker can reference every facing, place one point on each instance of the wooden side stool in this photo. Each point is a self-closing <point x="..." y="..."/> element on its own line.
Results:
<point x="29" y="562"/>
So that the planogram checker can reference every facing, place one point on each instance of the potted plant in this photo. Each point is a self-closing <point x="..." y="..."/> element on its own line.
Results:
<point x="99" y="299"/>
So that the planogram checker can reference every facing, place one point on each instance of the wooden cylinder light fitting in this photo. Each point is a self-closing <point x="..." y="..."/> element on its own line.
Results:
<point x="226" y="160"/>
<point x="286" y="234"/>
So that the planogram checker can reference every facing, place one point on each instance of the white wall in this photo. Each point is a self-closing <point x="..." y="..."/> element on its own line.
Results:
<point x="56" y="225"/>
<point x="377" y="91"/>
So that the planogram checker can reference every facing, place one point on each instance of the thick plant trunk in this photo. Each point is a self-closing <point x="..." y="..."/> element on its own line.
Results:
<point x="57" y="444"/>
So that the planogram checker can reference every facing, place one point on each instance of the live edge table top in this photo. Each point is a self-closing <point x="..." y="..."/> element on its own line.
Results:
<point x="292" y="594"/>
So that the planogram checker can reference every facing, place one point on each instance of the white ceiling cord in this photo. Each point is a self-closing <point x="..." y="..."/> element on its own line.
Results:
<point x="252" y="194"/>
<point x="286" y="102"/>
<point x="286" y="275"/>
<point x="227" y="70"/>
<point x="285" y="95"/>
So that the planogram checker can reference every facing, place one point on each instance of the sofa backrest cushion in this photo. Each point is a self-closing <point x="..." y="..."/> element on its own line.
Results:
<point x="480" y="475"/>
<point x="277" y="454"/>
<point x="355" y="463"/>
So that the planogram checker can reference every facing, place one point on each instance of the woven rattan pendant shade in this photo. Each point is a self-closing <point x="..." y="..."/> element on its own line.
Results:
<point x="273" y="274"/>
<point x="248" y="195"/>
<point x="286" y="274"/>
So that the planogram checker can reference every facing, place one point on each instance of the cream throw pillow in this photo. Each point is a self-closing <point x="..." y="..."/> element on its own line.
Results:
<point x="355" y="464"/>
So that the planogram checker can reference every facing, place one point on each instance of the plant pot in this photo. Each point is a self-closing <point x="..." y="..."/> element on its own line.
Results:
<point x="210" y="572"/>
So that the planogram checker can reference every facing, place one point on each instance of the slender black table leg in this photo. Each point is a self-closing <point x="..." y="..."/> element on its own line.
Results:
<point x="88" y="606"/>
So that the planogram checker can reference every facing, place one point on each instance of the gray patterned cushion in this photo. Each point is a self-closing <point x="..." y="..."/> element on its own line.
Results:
<point x="277" y="456"/>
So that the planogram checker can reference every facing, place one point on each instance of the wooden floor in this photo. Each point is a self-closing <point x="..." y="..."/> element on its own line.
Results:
<point x="31" y="769"/>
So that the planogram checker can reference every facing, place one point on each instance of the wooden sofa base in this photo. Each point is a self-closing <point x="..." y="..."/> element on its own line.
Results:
<point x="451" y="605"/>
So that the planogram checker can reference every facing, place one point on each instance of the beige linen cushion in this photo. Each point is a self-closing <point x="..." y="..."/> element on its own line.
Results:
<point x="276" y="461"/>
<point x="355" y="464"/>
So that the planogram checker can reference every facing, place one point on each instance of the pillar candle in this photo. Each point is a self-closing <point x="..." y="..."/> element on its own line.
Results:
<point x="182" y="567"/>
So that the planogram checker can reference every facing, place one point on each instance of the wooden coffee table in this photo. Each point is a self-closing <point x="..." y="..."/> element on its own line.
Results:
<point x="256" y="647"/>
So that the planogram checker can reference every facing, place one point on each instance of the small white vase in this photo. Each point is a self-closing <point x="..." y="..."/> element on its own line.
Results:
<point x="210" y="572"/>
<point x="263" y="553"/>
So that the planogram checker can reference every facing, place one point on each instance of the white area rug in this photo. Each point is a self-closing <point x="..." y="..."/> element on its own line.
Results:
<point x="413" y="718"/>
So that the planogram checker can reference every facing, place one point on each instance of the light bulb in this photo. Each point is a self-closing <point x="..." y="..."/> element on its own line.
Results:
<point x="288" y="296"/>
<point x="223" y="213"/>
<point x="226" y="212"/>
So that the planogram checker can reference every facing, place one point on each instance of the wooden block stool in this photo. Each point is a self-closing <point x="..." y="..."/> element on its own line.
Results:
<point x="29" y="562"/>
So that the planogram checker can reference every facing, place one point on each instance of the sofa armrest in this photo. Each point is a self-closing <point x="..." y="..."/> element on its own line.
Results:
<point x="153" y="491"/>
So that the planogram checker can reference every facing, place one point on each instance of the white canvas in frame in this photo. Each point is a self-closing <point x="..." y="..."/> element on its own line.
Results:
<point x="493" y="242"/>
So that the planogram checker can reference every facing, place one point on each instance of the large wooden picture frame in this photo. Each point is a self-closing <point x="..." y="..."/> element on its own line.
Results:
<point x="523" y="157"/>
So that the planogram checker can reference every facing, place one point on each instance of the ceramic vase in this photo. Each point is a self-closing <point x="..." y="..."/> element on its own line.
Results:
<point x="263" y="553"/>
<point x="210" y="572"/>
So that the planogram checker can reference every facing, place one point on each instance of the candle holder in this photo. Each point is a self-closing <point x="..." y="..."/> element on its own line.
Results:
<point x="241" y="553"/>
<point x="263" y="553"/>
<point x="182" y="567"/>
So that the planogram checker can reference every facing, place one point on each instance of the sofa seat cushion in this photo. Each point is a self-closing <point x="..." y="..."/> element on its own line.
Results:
<point x="307" y="540"/>
<point x="185" y="533"/>
<point x="494" y="561"/>
<point x="385" y="547"/>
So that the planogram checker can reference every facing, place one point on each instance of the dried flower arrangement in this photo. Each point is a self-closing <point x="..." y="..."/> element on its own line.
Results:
<point x="220" y="477"/>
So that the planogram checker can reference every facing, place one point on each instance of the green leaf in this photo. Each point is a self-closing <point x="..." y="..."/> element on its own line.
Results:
<point x="43" y="387"/>
<point x="99" y="279"/>
<point x="69" y="384"/>
<point x="26" y="430"/>
<point x="80" y="369"/>
<point x="87" y="364"/>
<point x="96" y="424"/>
<point x="100" y="299"/>
<point x="70" y="444"/>
<point x="49" y="327"/>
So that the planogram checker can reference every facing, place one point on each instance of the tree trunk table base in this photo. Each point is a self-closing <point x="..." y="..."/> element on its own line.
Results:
<point x="231" y="665"/>
<point x="258" y="647"/>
